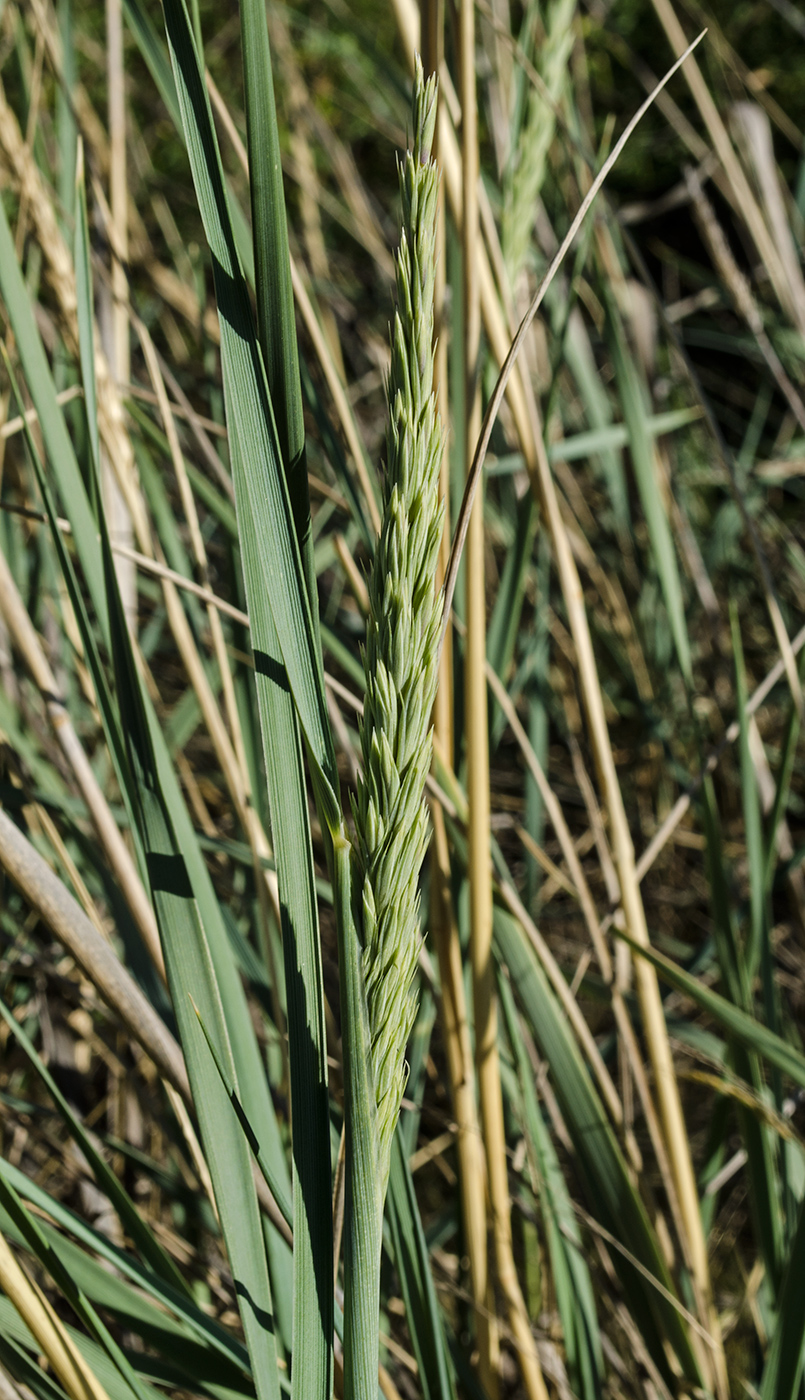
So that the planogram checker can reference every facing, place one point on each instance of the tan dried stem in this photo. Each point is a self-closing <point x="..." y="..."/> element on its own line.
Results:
<point x="740" y="291"/>
<point x="743" y="200"/>
<point x="461" y="1070"/>
<point x="477" y="749"/>
<point x="117" y="853"/>
<point x="443" y="926"/>
<point x="49" y="1331"/>
<point x="198" y="547"/>
<point x="656" y="1034"/>
<point x="64" y="916"/>
<point x="26" y="176"/>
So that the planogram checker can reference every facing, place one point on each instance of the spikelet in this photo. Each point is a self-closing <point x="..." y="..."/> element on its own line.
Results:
<point x="402" y="634"/>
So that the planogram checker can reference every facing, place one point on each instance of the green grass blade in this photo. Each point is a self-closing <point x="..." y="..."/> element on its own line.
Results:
<point x="570" y="1276"/>
<point x="742" y="1027"/>
<point x="156" y="59"/>
<point x="276" y="322"/>
<point x="436" y="1377"/>
<point x="268" y="529"/>
<point x="296" y="877"/>
<point x="784" y="772"/>
<point x="579" y="446"/>
<point x="730" y="953"/>
<point x="613" y="1200"/>
<point x="54" y="433"/>
<point x="782" y="1374"/>
<point x="290" y="824"/>
<point x="274" y="1186"/>
<point x="633" y="398"/>
<point x="84" y="311"/>
<point x="191" y="973"/>
<point x="765" y="1187"/>
<point x="66" y="126"/>
<point x="580" y="360"/>
<point x="538" y="722"/>
<point x="261" y="487"/>
<point x="250" y="1072"/>
<point x="504" y="623"/>
<point x="755" y="952"/>
<point x="757" y="1137"/>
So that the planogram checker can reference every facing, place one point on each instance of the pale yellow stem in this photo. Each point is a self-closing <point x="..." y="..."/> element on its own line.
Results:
<point x="47" y="1329"/>
<point x="477" y="737"/>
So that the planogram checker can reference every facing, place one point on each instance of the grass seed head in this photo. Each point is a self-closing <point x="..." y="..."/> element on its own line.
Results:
<point x="400" y="657"/>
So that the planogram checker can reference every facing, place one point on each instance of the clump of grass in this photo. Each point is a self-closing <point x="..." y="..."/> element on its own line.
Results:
<point x="402" y="643"/>
<point x="632" y="493"/>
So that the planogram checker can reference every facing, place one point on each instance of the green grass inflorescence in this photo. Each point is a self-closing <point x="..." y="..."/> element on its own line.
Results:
<point x="401" y="653"/>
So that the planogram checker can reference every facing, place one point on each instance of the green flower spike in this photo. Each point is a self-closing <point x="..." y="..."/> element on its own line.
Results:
<point x="402" y="635"/>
